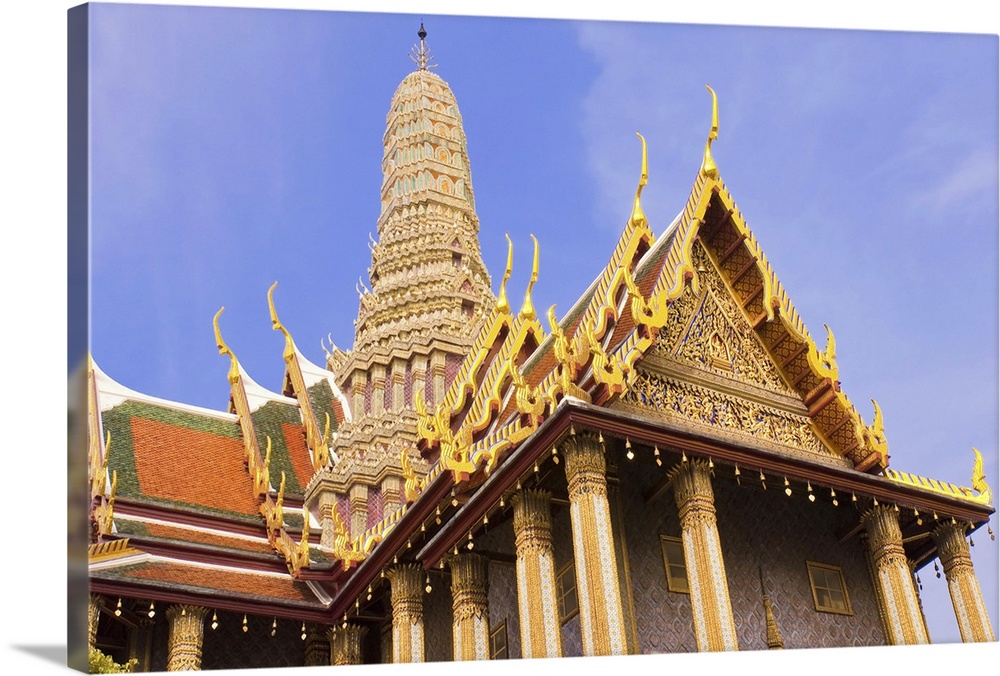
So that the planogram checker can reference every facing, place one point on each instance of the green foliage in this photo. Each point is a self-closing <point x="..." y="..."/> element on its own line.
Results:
<point x="103" y="664"/>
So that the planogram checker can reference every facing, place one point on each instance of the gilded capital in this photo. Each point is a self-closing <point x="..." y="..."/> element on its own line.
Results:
<point x="585" y="465"/>
<point x="885" y="539"/>
<point x="953" y="548"/>
<point x="469" y="584"/>
<point x="693" y="492"/>
<point x="346" y="644"/>
<point x="532" y="520"/>
<point x="407" y="592"/>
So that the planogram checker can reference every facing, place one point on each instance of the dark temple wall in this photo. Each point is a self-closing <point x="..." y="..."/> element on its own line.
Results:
<point x="756" y="528"/>
<point x="229" y="647"/>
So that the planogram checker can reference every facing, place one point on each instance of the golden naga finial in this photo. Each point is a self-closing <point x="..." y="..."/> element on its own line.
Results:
<point x="277" y="515"/>
<point x="825" y="363"/>
<point x="638" y="217"/>
<point x="411" y="486"/>
<point x="527" y="309"/>
<point x="278" y="326"/>
<point x="262" y="474"/>
<point x="979" y="479"/>
<point x="708" y="168"/>
<point x="234" y="366"/>
<point x="502" y="304"/>
<point x="99" y="468"/>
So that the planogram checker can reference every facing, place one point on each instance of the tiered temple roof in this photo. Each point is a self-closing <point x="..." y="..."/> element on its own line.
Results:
<point x="201" y="506"/>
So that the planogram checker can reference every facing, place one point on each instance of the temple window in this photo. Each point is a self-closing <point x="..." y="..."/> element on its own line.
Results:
<point x="456" y="259"/>
<point x="566" y="591"/>
<point x="498" y="641"/>
<point x="829" y="592"/>
<point x="673" y="562"/>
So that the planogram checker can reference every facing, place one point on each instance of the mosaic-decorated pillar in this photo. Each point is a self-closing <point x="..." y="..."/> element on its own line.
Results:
<point x="359" y="383"/>
<point x="187" y="631"/>
<point x="346" y="644"/>
<point x="711" y="609"/>
<point x="470" y="609"/>
<point x="398" y="382"/>
<point x="317" y="649"/>
<point x="538" y="610"/>
<point x="407" y="613"/>
<point x="358" y="500"/>
<point x="419" y="374"/>
<point x="966" y="596"/>
<point x="392" y="490"/>
<point x="378" y="389"/>
<point x="438" y="361"/>
<point x="892" y="577"/>
<point x="328" y="503"/>
<point x="602" y="622"/>
<point x="93" y="617"/>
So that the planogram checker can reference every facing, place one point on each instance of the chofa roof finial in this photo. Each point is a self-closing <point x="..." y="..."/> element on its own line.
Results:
<point x="708" y="168"/>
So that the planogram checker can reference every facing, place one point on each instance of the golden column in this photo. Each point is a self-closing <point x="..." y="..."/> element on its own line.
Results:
<point x="470" y="608"/>
<point x="711" y="609"/>
<point x="317" y="645"/>
<point x="93" y="617"/>
<point x="536" y="578"/>
<point x="893" y="578"/>
<point x="346" y="644"/>
<point x="407" y="613"/>
<point x="602" y="623"/>
<point x="187" y="630"/>
<point x="966" y="596"/>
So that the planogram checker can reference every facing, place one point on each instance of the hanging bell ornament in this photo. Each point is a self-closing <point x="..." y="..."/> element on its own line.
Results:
<point x="989" y="530"/>
<point x="428" y="587"/>
<point x="274" y="627"/>
<point x="215" y="620"/>
<point x="833" y="496"/>
<point x="245" y="628"/>
<point x="937" y="571"/>
<point x="304" y="629"/>
<point x="788" y="489"/>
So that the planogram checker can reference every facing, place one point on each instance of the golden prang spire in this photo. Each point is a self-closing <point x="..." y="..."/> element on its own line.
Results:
<point x="422" y="55"/>
<point x="708" y="168"/>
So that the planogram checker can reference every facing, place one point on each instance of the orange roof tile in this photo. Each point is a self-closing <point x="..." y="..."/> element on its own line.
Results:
<point x="192" y="466"/>
<point x="298" y="453"/>
<point x="232" y="581"/>
<point x="188" y="535"/>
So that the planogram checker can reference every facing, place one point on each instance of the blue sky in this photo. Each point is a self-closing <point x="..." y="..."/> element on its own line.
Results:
<point x="233" y="148"/>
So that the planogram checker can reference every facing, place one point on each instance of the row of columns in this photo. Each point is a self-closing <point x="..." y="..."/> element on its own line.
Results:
<point x="602" y="620"/>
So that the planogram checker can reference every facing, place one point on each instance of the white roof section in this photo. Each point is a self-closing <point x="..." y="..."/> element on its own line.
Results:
<point x="312" y="374"/>
<point x="111" y="393"/>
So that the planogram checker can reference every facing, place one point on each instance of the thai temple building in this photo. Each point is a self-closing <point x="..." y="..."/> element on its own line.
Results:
<point x="473" y="480"/>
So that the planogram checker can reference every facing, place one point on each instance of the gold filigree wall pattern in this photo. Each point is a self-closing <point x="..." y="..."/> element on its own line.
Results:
<point x="674" y="399"/>
<point x="717" y="337"/>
